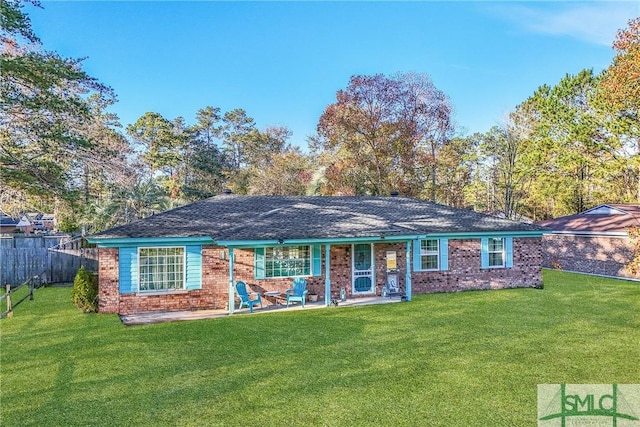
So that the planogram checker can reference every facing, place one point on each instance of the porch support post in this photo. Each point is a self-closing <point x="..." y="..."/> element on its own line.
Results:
<point x="231" y="293"/>
<point x="407" y="277"/>
<point x="327" y="275"/>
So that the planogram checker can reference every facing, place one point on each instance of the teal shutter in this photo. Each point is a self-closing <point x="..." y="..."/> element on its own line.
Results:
<point x="194" y="267"/>
<point x="508" y="243"/>
<point x="417" y="260"/>
<point x="444" y="254"/>
<point x="258" y="263"/>
<point x="484" y="252"/>
<point x="317" y="260"/>
<point x="128" y="270"/>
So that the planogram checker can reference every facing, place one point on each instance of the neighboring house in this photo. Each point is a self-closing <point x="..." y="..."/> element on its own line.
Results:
<point x="595" y="241"/>
<point x="36" y="222"/>
<point x="190" y="257"/>
<point x="46" y="221"/>
<point x="7" y="224"/>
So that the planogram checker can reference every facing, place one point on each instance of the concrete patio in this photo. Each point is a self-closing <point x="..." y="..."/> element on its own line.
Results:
<point x="174" y="316"/>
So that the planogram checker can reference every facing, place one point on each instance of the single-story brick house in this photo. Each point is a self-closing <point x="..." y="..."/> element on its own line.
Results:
<point x="190" y="257"/>
<point x="595" y="241"/>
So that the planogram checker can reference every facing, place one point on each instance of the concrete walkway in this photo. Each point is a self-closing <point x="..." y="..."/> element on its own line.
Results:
<point x="174" y="316"/>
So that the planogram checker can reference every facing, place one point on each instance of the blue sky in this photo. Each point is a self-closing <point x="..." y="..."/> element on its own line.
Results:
<point x="284" y="61"/>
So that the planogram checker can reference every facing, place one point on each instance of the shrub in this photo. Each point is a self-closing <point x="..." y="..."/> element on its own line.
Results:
<point x="85" y="291"/>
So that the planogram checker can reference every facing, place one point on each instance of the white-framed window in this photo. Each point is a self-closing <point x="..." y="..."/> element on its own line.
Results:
<point x="161" y="269"/>
<point x="496" y="250"/>
<point x="287" y="261"/>
<point x="430" y="254"/>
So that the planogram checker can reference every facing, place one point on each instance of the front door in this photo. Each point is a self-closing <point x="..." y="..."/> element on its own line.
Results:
<point x="363" y="269"/>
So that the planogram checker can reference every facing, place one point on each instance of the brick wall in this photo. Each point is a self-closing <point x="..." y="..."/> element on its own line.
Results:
<point x="243" y="270"/>
<point x="108" y="296"/>
<point x="340" y="262"/>
<point x="215" y="277"/>
<point x="214" y="293"/>
<point x="465" y="273"/>
<point x="596" y="255"/>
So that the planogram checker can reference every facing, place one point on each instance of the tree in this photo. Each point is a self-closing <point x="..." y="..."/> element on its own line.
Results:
<point x="237" y="126"/>
<point x="204" y="163"/>
<point x="106" y="162"/>
<point x="15" y="24"/>
<point x="433" y="125"/>
<point x="572" y="135"/>
<point x="503" y="148"/>
<point x="49" y="133"/>
<point x="619" y="95"/>
<point x="143" y="197"/>
<point x="457" y="165"/>
<point x="260" y="146"/>
<point x="164" y="144"/>
<point x="287" y="173"/>
<point x="381" y="134"/>
<point x="621" y="82"/>
<point x="207" y="129"/>
<point x="251" y="153"/>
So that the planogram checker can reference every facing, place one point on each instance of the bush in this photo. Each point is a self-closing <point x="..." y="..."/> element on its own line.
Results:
<point x="85" y="291"/>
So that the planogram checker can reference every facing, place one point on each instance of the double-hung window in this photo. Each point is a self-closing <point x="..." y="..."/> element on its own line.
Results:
<point x="287" y="261"/>
<point x="496" y="251"/>
<point x="161" y="269"/>
<point x="429" y="254"/>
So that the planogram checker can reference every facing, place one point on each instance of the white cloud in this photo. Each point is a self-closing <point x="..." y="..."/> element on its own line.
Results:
<point x="592" y="22"/>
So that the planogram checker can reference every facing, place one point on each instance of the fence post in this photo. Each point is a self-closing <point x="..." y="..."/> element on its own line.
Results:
<point x="9" y="311"/>
<point x="31" y="288"/>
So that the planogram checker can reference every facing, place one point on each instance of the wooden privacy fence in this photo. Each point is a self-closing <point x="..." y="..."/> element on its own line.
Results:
<point x="31" y="284"/>
<point x="54" y="259"/>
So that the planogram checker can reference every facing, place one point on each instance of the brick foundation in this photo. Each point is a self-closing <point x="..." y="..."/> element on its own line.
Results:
<point x="464" y="273"/>
<point x="588" y="254"/>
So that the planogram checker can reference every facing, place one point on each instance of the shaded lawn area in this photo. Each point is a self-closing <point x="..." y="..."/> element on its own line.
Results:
<point x="467" y="359"/>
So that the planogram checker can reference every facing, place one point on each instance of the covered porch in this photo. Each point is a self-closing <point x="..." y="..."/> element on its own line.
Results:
<point x="360" y="269"/>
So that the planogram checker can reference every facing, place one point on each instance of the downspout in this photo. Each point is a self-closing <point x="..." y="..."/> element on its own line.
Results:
<point x="327" y="275"/>
<point x="407" y="278"/>
<point x="231" y="293"/>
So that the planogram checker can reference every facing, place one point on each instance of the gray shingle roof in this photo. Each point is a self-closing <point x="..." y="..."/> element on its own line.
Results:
<point x="242" y="218"/>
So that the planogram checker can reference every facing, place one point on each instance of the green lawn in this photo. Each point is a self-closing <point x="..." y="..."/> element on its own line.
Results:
<point x="467" y="359"/>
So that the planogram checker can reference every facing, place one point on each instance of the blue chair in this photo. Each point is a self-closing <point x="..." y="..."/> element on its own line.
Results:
<point x="298" y="291"/>
<point x="241" y="289"/>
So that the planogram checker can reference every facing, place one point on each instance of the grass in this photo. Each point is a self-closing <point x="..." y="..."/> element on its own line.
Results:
<point x="467" y="359"/>
<point x="16" y="296"/>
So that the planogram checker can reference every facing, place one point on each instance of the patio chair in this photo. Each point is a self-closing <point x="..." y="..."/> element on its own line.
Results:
<point x="245" y="297"/>
<point x="298" y="291"/>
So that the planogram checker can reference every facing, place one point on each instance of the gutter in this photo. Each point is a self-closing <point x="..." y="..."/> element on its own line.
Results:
<point x="175" y="240"/>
